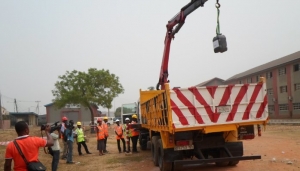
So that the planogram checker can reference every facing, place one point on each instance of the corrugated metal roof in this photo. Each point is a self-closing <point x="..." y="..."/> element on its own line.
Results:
<point x="50" y="104"/>
<point x="205" y="82"/>
<point x="23" y="113"/>
<point x="277" y="62"/>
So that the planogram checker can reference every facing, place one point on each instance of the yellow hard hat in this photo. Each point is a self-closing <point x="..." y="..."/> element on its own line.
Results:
<point x="105" y="118"/>
<point x="134" y="116"/>
<point x="78" y="123"/>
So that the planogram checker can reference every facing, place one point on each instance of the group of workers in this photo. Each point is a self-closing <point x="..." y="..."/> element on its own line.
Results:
<point x="68" y="135"/>
<point x="123" y="133"/>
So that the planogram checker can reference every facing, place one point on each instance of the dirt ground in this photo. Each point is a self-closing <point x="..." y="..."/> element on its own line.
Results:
<point x="278" y="146"/>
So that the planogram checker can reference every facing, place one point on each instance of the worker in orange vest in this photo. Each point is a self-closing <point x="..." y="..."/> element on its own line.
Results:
<point x="100" y="137"/>
<point x="120" y="136"/>
<point x="134" y="134"/>
<point x="106" y="130"/>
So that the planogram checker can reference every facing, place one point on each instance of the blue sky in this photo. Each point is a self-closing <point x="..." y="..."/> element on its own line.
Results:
<point x="40" y="40"/>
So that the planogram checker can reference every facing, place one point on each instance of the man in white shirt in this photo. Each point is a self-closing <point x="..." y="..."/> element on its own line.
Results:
<point x="55" y="151"/>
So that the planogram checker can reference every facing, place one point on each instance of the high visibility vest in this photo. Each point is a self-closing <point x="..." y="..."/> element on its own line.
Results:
<point x="133" y="132"/>
<point x="80" y="134"/>
<point x="105" y="129"/>
<point x="119" y="131"/>
<point x="100" y="132"/>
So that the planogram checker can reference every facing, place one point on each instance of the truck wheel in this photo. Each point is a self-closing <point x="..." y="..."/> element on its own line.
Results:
<point x="154" y="150"/>
<point x="222" y="154"/>
<point x="233" y="163"/>
<point x="163" y="165"/>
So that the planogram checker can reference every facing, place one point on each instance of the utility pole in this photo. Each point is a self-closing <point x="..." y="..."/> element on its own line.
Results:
<point x="16" y="106"/>
<point x="37" y="107"/>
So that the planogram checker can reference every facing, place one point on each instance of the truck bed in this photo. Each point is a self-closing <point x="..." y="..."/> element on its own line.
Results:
<point x="206" y="107"/>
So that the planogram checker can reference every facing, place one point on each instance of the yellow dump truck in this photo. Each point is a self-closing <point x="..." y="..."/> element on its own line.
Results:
<point x="199" y="125"/>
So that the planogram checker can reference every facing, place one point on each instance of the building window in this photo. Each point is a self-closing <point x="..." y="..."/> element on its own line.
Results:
<point x="271" y="108"/>
<point x="249" y="80"/>
<point x="270" y="91"/>
<point x="283" y="107"/>
<point x="282" y="71"/>
<point x="283" y="89"/>
<point x="296" y="67"/>
<point x="297" y="86"/>
<point x="296" y="106"/>
<point x="257" y="78"/>
<point x="269" y="75"/>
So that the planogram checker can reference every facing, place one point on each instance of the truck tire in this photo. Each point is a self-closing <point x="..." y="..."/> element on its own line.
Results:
<point x="154" y="150"/>
<point x="233" y="163"/>
<point x="163" y="165"/>
<point x="143" y="139"/>
<point x="222" y="154"/>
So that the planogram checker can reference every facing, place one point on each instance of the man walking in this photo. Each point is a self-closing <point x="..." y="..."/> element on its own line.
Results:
<point x="119" y="136"/>
<point x="81" y="139"/>
<point x="29" y="146"/>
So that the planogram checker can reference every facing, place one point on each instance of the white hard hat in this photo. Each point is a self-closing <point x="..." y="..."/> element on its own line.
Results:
<point x="127" y="119"/>
<point x="117" y="120"/>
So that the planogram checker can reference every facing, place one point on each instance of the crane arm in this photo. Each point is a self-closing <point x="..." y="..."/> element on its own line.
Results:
<point x="178" y="21"/>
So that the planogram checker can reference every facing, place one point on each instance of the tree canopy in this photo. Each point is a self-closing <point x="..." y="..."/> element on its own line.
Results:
<point x="96" y="87"/>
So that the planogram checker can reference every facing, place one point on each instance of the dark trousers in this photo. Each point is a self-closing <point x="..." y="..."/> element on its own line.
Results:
<point x="134" y="140"/>
<point x="65" y="149"/>
<point x="55" y="160"/>
<point x="119" y="146"/>
<point x="105" y="141"/>
<point x="100" y="145"/>
<point x="84" y="145"/>
<point x="128" y="144"/>
<point x="70" y="151"/>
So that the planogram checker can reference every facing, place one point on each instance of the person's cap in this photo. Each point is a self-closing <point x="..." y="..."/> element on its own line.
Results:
<point x="64" y="118"/>
<point x="117" y="120"/>
<point x="78" y="123"/>
<point x="99" y="119"/>
<point x="127" y="119"/>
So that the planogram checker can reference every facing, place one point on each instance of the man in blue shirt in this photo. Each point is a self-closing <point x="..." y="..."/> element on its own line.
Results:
<point x="70" y="140"/>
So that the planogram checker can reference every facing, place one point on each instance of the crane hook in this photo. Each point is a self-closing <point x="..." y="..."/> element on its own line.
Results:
<point x="218" y="5"/>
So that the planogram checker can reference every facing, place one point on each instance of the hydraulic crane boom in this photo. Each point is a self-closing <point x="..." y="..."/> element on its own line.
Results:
<point x="178" y="20"/>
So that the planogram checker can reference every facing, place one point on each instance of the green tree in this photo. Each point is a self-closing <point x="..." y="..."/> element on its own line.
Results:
<point x="118" y="112"/>
<point x="96" y="87"/>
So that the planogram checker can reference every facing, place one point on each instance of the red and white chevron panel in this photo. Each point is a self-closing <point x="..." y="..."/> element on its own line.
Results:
<point x="225" y="104"/>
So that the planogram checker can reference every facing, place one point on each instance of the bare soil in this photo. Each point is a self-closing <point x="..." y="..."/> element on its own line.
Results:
<point x="279" y="147"/>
